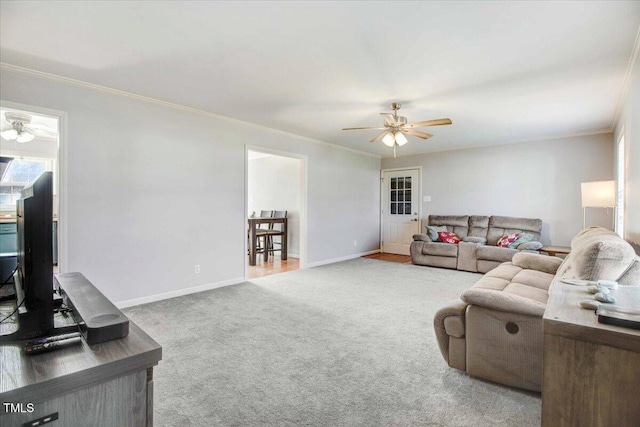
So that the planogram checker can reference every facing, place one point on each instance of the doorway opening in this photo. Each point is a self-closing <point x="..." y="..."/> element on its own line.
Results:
<point x="275" y="188"/>
<point x="30" y="141"/>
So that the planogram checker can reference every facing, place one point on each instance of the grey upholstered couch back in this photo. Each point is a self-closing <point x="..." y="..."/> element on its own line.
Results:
<point x="491" y="228"/>
<point x="458" y="224"/>
<point x="501" y="225"/>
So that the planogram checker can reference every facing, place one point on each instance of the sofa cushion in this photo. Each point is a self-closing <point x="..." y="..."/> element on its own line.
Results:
<point x="494" y="253"/>
<point x="529" y="292"/>
<point x="478" y="226"/>
<point x="440" y="249"/>
<point x="501" y="225"/>
<point x="458" y="224"/>
<point x="473" y="239"/>
<point x="512" y="302"/>
<point x="597" y="253"/>
<point x="530" y="246"/>
<point x="534" y="279"/>
<point x="447" y="237"/>
<point x="433" y="230"/>
<point x="547" y="264"/>
<point x="506" y="240"/>
<point x="631" y="277"/>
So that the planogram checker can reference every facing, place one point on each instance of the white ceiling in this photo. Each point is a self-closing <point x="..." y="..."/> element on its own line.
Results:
<point x="502" y="71"/>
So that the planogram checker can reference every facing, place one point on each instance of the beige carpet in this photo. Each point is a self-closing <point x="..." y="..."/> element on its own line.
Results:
<point x="347" y="344"/>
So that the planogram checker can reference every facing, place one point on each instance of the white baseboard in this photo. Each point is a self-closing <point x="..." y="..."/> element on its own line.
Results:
<point x="344" y="258"/>
<point x="178" y="293"/>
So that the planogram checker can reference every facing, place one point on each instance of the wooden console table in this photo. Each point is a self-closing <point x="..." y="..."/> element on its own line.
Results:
<point x="591" y="371"/>
<point x="107" y="384"/>
<point x="556" y="250"/>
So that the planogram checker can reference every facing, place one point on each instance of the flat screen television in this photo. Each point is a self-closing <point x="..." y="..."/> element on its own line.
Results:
<point x="33" y="278"/>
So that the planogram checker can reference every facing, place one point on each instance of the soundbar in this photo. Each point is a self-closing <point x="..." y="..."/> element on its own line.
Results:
<point x="98" y="318"/>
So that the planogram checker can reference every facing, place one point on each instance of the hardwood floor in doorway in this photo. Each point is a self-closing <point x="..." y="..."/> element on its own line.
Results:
<point x="274" y="266"/>
<point x="390" y="257"/>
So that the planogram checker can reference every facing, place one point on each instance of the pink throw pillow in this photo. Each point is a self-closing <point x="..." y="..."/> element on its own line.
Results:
<point x="447" y="237"/>
<point x="507" y="239"/>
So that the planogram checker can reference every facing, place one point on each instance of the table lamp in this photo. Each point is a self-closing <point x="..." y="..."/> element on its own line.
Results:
<point x="597" y="194"/>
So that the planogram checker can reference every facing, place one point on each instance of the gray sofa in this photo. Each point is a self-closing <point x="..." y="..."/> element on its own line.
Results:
<point x="494" y="330"/>
<point x="478" y="251"/>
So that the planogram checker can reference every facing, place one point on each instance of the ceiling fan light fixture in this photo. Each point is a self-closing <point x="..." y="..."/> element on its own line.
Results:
<point x="400" y="138"/>
<point x="389" y="139"/>
<point x="9" y="134"/>
<point x="25" y="137"/>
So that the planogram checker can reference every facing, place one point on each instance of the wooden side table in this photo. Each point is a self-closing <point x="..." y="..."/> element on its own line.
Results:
<point x="591" y="370"/>
<point x="556" y="250"/>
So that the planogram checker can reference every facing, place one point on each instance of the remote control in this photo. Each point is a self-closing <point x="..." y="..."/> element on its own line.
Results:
<point x="50" y="346"/>
<point x="53" y="338"/>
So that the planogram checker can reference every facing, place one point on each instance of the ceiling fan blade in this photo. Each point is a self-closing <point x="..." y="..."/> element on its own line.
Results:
<point x="362" y="128"/>
<point x="379" y="137"/>
<point x="437" y="122"/>
<point x="41" y="132"/>
<point x="417" y="133"/>
<point x="40" y="127"/>
<point x="389" y="119"/>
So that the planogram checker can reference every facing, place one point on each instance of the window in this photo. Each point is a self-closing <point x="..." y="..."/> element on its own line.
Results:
<point x="400" y="196"/>
<point x="620" y="178"/>
<point x="19" y="173"/>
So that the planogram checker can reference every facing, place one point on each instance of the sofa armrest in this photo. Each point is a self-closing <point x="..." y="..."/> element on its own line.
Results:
<point x="422" y="237"/>
<point x="531" y="261"/>
<point x="449" y="321"/>
<point x="503" y="301"/>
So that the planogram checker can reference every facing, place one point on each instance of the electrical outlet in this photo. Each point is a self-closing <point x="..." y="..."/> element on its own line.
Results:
<point x="197" y="269"/>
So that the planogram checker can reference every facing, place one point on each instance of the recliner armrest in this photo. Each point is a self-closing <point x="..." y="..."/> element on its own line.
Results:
<point x="422" y="237"/>
<point x="449" y="321"/>
<point x="531" y="261"/>
<point x="503" y="301"/>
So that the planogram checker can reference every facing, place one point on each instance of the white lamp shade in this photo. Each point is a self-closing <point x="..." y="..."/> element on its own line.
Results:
<point x="388" y="139"/>
<point x="598" y="194"/>
<point x="400" y="138"/>
<point x="25" y="137"/>
<point x="9" y="134"/>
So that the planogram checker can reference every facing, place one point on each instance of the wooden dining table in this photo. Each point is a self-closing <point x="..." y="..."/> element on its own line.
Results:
<point x="254" y="222"/>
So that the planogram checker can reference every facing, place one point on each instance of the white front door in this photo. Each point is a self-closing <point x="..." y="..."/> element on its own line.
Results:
<point x="400" y="197"/>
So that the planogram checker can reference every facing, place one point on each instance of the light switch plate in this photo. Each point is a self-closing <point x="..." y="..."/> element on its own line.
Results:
<point x="426" y="199"/>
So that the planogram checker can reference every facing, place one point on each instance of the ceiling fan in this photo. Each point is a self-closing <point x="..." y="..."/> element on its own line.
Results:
<point x="395" y="128"/>
<point x="18" y="127"/>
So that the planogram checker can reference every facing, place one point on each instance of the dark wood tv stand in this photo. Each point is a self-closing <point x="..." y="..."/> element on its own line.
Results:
<point x="106" y="384"/>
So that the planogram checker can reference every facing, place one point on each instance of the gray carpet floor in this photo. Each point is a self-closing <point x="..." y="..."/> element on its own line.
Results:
<point x="347" y="344"/>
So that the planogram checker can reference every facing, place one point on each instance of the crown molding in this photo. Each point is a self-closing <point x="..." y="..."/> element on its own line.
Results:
<point x="117" y="92"/>
<point x="518" y="141"/>
<point x="634" y="60"/>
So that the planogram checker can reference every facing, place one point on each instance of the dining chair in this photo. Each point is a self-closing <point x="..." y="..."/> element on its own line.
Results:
<point x="261" y="230"/>
<point x="276" y="233"/>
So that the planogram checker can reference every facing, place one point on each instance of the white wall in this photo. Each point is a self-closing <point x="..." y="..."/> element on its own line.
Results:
<point x="274" y="184"/>
<point x="152" y="191"/>
<point x="538" y="179"/>
<point x="630" y="123"/>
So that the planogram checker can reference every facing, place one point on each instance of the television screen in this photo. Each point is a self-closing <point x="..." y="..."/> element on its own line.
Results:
<point x="34" y="277"/>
